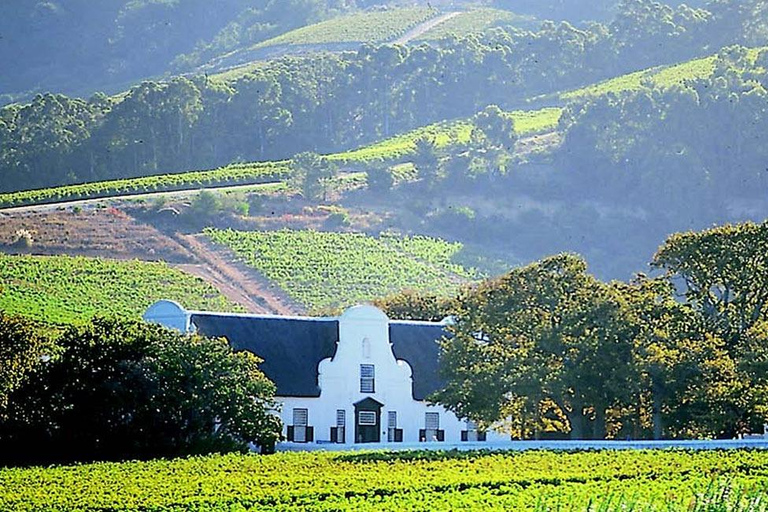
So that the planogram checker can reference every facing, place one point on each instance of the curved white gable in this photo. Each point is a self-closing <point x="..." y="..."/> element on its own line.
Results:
<point x="169" y="314"/>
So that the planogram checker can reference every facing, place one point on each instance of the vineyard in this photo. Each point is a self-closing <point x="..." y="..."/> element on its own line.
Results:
<point x="393" y="150"/>
<point x="362" y="27"/>
<point x="235" y="174"/>
<point x="446" y="134"/>
<point x="665" y="77"/>
<point x="538" y="480"/>
<point x="474" y="21"/>
<point x="325" y="269"/>
<point x="63" y="289"/>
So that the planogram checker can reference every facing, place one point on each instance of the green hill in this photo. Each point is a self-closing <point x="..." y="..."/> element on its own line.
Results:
<point x="63" y="289"/>
<point x="477" y="20"/>
<point x="361" y="27"/>
<point x="326" y="269"/>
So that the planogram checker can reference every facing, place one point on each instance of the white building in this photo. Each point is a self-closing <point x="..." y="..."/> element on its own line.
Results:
<point x="357" y="378"/>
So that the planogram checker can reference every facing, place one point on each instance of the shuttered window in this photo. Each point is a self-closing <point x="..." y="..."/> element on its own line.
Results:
<point x="432" y="421"/>
<point x="367" y="377"/>
<point x="341" y="417"/>
<point x="392" y="419"/>
<point x="300" y="417"/>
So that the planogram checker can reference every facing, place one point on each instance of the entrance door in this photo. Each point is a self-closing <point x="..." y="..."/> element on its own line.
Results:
<point x="368" y="421"/>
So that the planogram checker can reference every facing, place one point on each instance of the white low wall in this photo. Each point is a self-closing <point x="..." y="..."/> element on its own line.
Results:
<point x="727" y="444"/>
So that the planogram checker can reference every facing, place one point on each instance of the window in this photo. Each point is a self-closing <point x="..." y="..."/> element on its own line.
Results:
<point x="300" y="417"/>
<point x="394" y="434"/>
<point x="367" y="418"/>
<point x="300" y="431"/>
<point x="392" y="419"/>
<point x="367" y="378"/>
<point x="432" y="421"/>
<point x="341" y="417"/>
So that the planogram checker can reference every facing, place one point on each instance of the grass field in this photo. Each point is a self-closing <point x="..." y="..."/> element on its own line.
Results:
<point x="606" y="480"/>
<point x="63" y="289"/>
<point x="477" y="20"/>
<point x="329" y="269"/>
<point x="361" y="27"/>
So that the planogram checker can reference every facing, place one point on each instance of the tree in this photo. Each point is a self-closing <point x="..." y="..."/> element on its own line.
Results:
<point x="545" y="332"/>
<point x="427" y="162"/>
<point x="120" y="389"/>
<point x="498" y="127"/>
<point x="22" y="348"/>
<point x="380" y="179"/>
<point x="314" y="173"/>
<point x="723" y="273"/>
<point x="414" y="305"/>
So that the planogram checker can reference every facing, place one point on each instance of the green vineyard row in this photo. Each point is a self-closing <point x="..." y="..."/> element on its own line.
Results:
<point x="537" y="480"/>
<point x="326" y="269"/>
<point x="64" y="289"/>
<point x="235" y="174"/>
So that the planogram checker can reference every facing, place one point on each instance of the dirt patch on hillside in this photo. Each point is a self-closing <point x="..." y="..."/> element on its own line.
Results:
<point x="235" y="280"/>
<point x="106" y="233"/>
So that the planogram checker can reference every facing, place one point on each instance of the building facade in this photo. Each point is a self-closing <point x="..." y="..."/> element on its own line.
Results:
<point x="353" y="379"/>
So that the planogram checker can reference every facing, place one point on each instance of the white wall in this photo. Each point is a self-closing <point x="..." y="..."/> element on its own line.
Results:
<point x="339" y="381"/>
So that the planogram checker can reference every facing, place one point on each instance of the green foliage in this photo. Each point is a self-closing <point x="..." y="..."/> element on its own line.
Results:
<point x="369" y="27"/>
<point x="235" y="174"/>
<point x="498" y="127"/>
<point x="380" y="179"/>
<point x="125" y="389"/>
<point x="724" y="274"/>
<point x="314" y="174"/>
<point x="63" y="289"/>
<point x="548" y="343"/>
<point x="412" y="305"/>
<point x="537" y="480"/>
<point x="325" y="270"/>
<point x="22" y="346"/>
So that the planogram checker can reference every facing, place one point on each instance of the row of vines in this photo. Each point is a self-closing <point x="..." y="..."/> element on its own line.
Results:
<point x="63" y="289"/>
<point x="327" y="269"/>
<point x="606" y="480"/>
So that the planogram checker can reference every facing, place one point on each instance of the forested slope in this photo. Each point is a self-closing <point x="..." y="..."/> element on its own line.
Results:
<point x="328" y="103"/>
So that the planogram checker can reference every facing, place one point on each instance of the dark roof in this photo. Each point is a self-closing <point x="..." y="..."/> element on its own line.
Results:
<point x="416" y="343"/>
<point x="292" y="348"/>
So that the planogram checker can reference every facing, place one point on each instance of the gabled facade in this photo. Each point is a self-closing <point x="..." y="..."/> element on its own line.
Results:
<point x="358" y="378"/>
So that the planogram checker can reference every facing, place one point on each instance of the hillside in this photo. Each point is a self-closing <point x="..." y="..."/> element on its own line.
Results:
<point x="64" y="290"/>
<point x="325" y="270"/>
<point x="476" y="21"/>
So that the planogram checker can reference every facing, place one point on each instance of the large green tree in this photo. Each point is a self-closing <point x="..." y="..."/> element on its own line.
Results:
<point x="119" y="389"/>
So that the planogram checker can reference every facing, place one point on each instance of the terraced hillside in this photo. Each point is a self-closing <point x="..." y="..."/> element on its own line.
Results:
<point x="389" y="150"/>
<point x="64" y="289"/>
<point x="325" y="270"/>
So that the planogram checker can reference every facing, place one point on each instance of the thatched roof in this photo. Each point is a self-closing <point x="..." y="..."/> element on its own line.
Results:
<point x="292" y="347"/>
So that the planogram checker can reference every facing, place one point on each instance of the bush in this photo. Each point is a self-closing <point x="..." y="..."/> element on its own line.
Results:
<point x="125" y="389"/>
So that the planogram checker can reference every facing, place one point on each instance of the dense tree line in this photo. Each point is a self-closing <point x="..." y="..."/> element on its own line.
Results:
<point x="688" y="151"/>
<point x="326" y="102"/>
<point x="553" y="350"/>
<point x="116" y="389"/>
